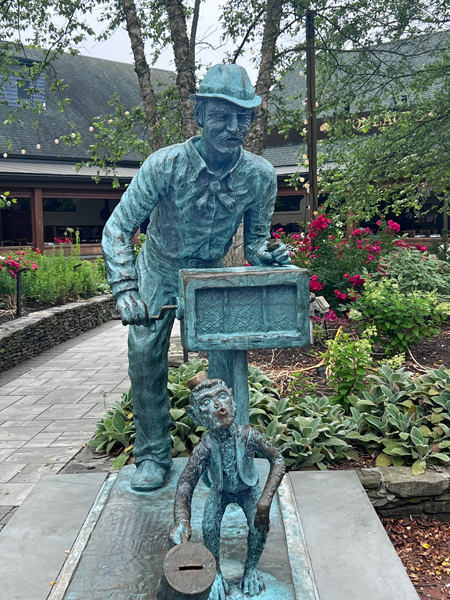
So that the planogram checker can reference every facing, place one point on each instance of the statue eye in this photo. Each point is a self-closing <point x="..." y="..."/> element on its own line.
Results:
<point x="223" y="396"/>
<point x="206" y="401"/>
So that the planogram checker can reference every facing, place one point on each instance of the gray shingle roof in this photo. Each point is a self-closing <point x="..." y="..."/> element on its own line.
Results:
<point x="91" y="84"/>
<point x="416" y="52"/>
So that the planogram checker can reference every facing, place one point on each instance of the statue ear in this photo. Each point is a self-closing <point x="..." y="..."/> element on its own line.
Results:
<point x="190" y="412"/>
<point x="231" y="392"/>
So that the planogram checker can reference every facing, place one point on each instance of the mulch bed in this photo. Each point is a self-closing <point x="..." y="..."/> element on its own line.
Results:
<point x="424" y="549"/>
<point x="281" y="365"/>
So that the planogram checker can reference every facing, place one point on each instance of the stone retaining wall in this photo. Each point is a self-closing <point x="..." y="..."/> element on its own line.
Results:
<point x="28" y="336"/>
<point x="396" y="493"/>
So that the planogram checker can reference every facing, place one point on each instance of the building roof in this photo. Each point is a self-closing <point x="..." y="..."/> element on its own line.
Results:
<point x="91" y="82"/>
<point x="54" y="171"/>
<point x="416" y="52"/>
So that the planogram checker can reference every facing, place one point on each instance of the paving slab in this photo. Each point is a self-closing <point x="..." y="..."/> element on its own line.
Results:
<point x="76" y="425"/>
<point x="351" y="555"/>
<point x="13" y="494"/>
<point x="34" y="541"/>
<point x="9" y="470"/>
<point x="32" y="455"/>
<point x="66" y="396"/>
<point x="15" y="444"/>
<point x="66" y="411"/>
<point x="35" y="423"/>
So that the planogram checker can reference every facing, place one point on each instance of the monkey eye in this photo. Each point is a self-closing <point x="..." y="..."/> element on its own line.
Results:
<point x="206" y="401"/>
<point x="223" y="396"/>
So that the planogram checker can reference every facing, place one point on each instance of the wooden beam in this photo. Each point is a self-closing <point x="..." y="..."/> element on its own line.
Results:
<point x="37" y="219"/>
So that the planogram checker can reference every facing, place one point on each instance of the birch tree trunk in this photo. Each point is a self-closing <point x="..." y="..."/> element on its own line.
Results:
<point x="184" y="52"/>
<point x="143" y="72"/>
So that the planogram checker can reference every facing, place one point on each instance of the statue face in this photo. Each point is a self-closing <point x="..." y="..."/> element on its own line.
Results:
<point x="214" y="408"/>
<point x="225" y="125"/>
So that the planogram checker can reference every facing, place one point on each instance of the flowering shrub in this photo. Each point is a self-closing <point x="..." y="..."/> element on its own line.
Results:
<point x="339" y="268"/>
<point x="55" y="280"/>
<point x="20" y="262"/>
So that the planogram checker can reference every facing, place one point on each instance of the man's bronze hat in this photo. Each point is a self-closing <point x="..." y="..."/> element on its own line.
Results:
<point x="228" y="82"/>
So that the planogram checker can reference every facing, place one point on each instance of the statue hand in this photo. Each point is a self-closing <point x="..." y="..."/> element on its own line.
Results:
<point x="131" y="308"/>
<point x="278" y="254"/>
<point x="175" y="535"/>
<point x="262" y="518"/>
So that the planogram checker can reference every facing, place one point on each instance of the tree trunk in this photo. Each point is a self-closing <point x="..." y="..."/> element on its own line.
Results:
<point x="143" y="72"/>
<point x="256" y="137"/>
<point x="184" y="52"/>
<point x="235" y="256"/>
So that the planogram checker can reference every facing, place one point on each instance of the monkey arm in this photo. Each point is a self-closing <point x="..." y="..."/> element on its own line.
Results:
<point x="189" y="478"/>
<point x="257" y="442"/>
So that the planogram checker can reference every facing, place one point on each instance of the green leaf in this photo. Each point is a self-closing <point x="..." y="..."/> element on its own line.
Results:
<point x="419" y="467"/>
<point x="383" y="460"/>
<point x="440" y="456"/>
<point x="120" y="461"/>
<point x="177" y="413"/>
<point x="417" y="437"/>
<point x="118" y="422"/>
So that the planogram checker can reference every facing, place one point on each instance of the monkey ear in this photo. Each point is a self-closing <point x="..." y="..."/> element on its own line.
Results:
<point x="190" y="412"/>
<point x="231" y="392"/>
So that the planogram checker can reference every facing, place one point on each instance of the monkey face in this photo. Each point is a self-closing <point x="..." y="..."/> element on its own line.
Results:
<point x="215" y="408"/>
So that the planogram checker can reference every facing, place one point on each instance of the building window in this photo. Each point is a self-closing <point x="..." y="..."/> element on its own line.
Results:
<point x="59" y="204"/>
<point x="288" y="203"/>
<point x="31" y="91"/>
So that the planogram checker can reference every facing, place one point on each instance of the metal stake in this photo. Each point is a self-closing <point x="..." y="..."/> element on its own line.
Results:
<point x="19" y="292"/>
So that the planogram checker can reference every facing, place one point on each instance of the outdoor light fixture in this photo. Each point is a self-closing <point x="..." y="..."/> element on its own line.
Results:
<point x="23" y="150"/>
<point x="38" y="146"/>
<point x="56" y="141"/>
<point x="73" y="134"/>
<point x="91" y="128"/>
<point x="5" y="155"/>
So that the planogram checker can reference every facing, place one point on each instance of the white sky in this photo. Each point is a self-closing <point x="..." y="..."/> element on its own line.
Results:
<point x="118" y="48"/>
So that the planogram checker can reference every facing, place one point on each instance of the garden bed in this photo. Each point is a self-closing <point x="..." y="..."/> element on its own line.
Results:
<point x="281" y="365"/>
<point x="424" y="549"/>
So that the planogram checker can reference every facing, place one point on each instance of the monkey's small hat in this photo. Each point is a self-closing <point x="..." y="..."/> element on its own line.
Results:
<point x="194" y="381"/>
<point x="228" y="82"/>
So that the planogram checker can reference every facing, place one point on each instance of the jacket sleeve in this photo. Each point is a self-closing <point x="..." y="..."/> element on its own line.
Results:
<point x="258" y="217"/>
<point x="143" y="194"/>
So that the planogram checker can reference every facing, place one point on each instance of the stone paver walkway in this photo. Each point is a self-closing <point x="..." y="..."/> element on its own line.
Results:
<point x="50" y="404"/>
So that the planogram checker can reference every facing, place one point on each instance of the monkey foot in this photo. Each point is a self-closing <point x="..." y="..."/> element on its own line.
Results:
<point x="148" y="476"/>
<point x="251" y="583"/>
<point x="219" y="588"/>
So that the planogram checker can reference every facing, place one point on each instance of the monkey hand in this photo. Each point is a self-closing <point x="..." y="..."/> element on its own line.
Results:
<point x="176" y="533"/>
<point x="262" y="519"/>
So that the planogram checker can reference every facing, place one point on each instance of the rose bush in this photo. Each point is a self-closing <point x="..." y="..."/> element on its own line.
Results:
<point x="340" y="267"/>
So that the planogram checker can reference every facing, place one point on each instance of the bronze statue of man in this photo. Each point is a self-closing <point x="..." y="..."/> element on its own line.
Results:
<point x="195" y="195"/>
